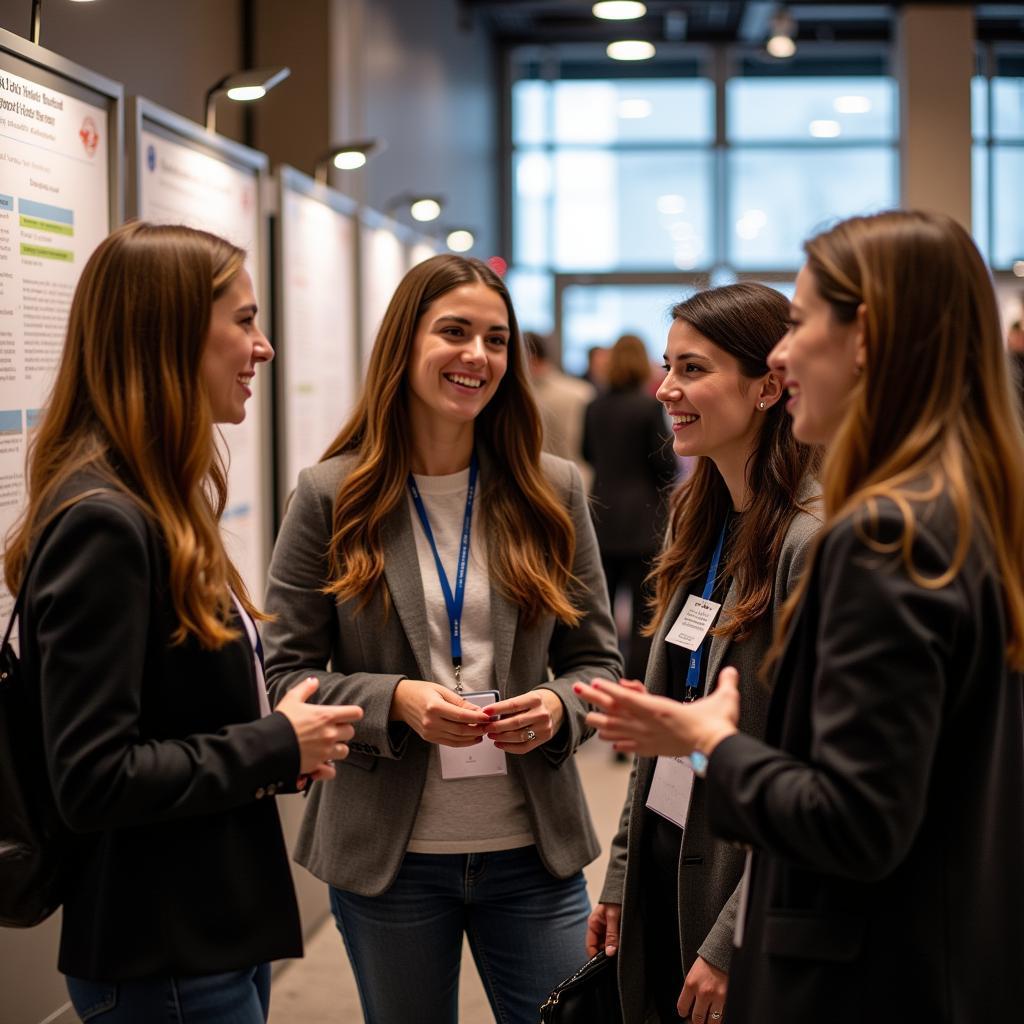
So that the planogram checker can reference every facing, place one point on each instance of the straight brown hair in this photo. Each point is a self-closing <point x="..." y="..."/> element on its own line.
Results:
<point x="128" y="403"/>
<point x="628" y="364"/>
<point x="745" y="320"/>
<point x="531" y="540"/>
<point x="934" y="400"/>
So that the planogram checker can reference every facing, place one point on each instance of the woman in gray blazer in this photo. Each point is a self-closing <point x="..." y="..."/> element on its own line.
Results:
<point x="438" y="571"/>
<point x="884" y="805"/>
<point x="739" y="528"/>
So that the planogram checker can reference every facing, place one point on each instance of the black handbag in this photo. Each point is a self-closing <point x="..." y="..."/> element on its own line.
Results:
<point x="590" y="996"/>
<point x="33" y="837"/>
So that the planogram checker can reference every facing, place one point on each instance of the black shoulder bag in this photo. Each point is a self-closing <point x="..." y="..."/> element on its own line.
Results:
<point x="590" y="996"/>
<point x="33" y="837"/>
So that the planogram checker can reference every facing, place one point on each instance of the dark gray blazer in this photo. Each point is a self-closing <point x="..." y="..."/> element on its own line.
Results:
<point x="709" y="870"/>
<point x="886" y="804"/>
<point x="357" y="826"/>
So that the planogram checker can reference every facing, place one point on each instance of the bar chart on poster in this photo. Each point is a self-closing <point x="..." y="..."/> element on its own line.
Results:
<point x="182" y="175"/>
<point x="317" y="361"/>
<point x="58" y="141"/>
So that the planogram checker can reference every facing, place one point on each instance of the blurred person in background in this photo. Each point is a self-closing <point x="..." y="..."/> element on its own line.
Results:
<point x="561" y="400"/>
<point x="626" y="441"/>
<point x="596" y="373"/>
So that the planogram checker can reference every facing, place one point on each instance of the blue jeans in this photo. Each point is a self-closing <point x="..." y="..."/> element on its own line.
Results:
<point x="526" y="929"/>
<point x="237" y="997"/>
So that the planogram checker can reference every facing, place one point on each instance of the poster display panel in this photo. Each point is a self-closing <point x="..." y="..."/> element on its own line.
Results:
<point x="181" y="174"/>
<point x="60" y="174"/>
<point x="317" y="361"/>
<point x="422" y="249"/>
<point x="383" y="263"/>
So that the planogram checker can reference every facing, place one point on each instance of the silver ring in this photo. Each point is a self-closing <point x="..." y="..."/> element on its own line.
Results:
<point x="530" y="735"/>
<point x="715" y="1015"/>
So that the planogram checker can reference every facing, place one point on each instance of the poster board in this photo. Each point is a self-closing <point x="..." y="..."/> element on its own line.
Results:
<point x="422" y="249"/>
<point x="383" y="262"/>
<point x="317" y="366"/>
<point x="61" y="145"/>
<point x="181" y="174"/>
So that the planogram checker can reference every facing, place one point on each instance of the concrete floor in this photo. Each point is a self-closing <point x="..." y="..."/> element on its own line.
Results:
<point x="319" y="989"/>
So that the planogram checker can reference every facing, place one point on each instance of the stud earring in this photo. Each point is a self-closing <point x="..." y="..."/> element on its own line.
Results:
<point x="760" y="405"/>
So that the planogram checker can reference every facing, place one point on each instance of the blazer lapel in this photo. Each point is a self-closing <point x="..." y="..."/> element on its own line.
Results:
<point x="720" y="644"/>
<point x="402" y="573"/>
<point x="657" y="665"/>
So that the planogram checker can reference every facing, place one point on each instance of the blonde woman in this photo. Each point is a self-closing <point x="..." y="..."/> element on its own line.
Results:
<point x="437" y="570"/>
<point x="885" y="805"/>
<point x="140" y="638"/>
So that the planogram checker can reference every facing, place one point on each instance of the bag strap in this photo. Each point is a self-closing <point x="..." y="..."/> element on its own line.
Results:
<point x="19" y="599"/>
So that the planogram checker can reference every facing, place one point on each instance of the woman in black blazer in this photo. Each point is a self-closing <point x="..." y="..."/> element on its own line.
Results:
<point x="885" y="807"/>
<point x="139" y="636"/>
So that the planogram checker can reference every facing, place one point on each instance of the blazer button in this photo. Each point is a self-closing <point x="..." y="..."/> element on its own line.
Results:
<point x="260" y="793"/>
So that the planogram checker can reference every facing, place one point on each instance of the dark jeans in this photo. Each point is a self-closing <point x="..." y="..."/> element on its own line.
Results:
<point x="526" y="928"/>
<point x="236" y="997"/>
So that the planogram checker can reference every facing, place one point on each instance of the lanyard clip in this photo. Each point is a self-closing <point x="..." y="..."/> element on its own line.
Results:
<point x="457" y="666"/>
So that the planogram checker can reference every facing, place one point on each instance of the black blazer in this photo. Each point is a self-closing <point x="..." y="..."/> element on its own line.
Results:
<point x="157" y="760"/>
<point x="626" y="440"/>
<point x="886" y="805"/>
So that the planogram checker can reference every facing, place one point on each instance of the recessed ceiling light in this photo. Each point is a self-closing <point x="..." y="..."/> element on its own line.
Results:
<point x="630" y="49"/>
<point x="619" y="10"/>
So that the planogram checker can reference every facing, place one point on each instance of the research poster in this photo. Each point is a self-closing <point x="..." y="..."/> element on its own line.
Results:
<point x="180" y="180"/>
<point x="317" y="357"/>
<point x="55" y="208"/>
<point x="384" y="262"/>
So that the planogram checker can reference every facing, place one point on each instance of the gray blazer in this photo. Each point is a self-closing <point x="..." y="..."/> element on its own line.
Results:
<point x="709" y="870"/>
<point x="357" y="826"/>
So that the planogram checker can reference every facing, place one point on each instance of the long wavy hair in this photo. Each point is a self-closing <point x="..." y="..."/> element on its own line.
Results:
<point x="746" y="321"/>
<point x="531" y="539"/>
<point x="128" y="403"/>
<point x="934" y="400"/>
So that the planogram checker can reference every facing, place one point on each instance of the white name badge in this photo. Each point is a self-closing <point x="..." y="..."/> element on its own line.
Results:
<point x="468" y="762"/>
<point x="694" y="621"/>
<point x="671" y="789"/>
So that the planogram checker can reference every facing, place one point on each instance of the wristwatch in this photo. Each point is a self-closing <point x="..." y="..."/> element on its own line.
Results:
<point x="699" y="763"/>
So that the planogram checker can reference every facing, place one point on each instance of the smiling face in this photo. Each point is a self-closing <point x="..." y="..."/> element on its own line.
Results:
<point x="234" y="345"/>
<point x="819" y="360"/>
<point x="459" y="356"/>
<point x="714" y="408"/>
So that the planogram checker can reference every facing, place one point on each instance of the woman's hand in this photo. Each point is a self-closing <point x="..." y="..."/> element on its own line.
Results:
<point x="526" y="722"/>
<point x="703" y="995"/>
<point x="635" y="721"/>
<point x="603" y="929"/>
<point x="321" y="729"/>
<point x="437" y="714"/>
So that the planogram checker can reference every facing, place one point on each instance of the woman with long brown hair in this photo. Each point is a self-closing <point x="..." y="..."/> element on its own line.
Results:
<point x="737" y="535"/>
<point x="138" y="635"/>
<point x="437" y="570"/>
<point x="885" y="805"/>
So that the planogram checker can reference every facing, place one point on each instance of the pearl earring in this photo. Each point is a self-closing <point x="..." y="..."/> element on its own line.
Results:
<point x="760" y="405"/>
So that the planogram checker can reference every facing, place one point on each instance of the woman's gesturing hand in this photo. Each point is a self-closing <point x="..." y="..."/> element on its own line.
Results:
<point x="321" y="729"/>
<point x="437" y="714"/>
<point x="527" y="720"/>
<point x="638" y="722"/>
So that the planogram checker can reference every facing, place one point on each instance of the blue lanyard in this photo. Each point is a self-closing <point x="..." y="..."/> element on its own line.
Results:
<point x="453" y="603"/>
<point x="693" y="672"/>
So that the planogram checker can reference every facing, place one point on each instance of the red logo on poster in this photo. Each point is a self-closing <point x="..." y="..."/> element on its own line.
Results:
<point x="89" y="135"/>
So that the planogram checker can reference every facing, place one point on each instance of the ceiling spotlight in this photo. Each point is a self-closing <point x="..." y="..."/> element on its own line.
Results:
<point x="243" y="86"/>
<point x="425" y="209"/>
<point x="619" y="10"/>
<point x="347" y="156"/>
<point x="460" y="240"/>
<point x="782" y="41"/>
<point x="630" y="49"/>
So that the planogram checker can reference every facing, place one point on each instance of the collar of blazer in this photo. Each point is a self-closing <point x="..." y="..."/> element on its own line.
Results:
<point x="402" y="574"/>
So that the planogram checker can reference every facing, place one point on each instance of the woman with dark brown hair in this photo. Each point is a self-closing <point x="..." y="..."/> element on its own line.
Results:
<point x="738" y="531"/>
<point x="140" y="639"/>
<point x="437" y="570"/>
<point x="884" y="806"/>
<point x="625" y="440"/>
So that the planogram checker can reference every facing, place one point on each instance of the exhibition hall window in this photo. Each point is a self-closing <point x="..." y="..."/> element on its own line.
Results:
<point x="998" y="161"/>
<point x="621" y="179"/>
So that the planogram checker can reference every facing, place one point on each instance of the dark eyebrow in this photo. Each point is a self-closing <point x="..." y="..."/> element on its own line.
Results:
<point x="251" y="309"/>
<point x="690" y="355"/>
<point x="469" y="323"/>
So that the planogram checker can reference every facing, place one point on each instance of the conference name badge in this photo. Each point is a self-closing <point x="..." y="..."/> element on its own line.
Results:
<point x="693" y="623"/>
